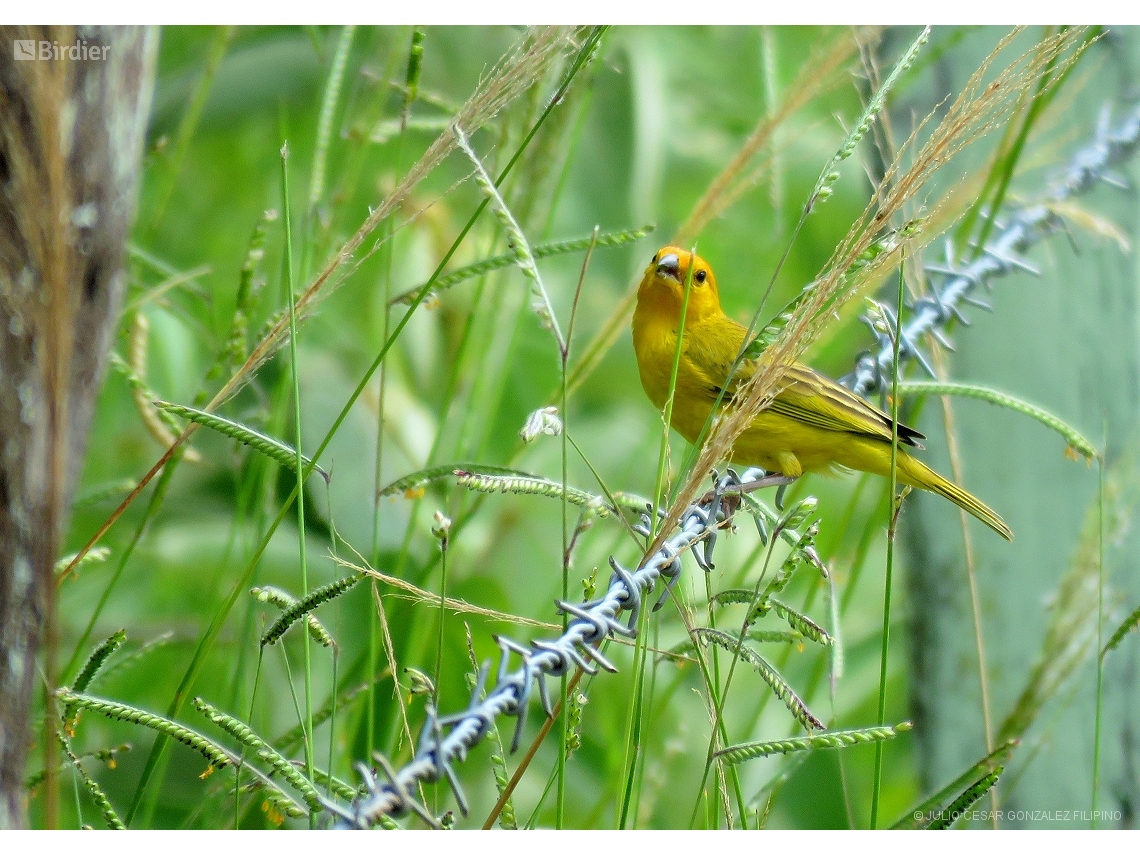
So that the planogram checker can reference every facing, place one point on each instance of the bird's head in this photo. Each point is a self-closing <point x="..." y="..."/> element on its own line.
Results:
<point x="663" y="286"/>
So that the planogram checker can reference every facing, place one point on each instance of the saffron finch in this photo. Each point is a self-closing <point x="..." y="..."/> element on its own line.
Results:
<point x="812" y="425"/>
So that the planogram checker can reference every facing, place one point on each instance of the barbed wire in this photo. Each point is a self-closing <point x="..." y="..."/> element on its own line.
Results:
<point x="593" y="623"/>
<point x="445" y="740"/>
<point x="1024" y="227"/>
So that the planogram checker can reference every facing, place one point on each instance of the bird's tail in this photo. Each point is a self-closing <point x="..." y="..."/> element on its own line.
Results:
<point x="917" y="474"/>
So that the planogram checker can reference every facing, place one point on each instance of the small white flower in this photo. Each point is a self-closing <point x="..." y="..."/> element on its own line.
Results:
<point x="442" y="525"/>
<point x="544" y="421"/>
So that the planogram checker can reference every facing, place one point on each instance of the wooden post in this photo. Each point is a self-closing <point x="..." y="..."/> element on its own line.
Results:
<point x="73" y="108"/>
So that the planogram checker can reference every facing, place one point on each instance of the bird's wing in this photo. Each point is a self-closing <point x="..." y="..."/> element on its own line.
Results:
<point x="810" y="397"/>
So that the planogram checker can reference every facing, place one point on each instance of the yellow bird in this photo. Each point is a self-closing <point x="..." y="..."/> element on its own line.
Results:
<point x="812" y="425"/>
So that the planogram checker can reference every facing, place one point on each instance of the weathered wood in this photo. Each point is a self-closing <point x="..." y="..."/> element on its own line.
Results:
<point x="71" y="132"/>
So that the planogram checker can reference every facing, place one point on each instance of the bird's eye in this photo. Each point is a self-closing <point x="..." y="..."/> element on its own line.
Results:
<point x="653" y="260"/>
<point x="700" y="276"/>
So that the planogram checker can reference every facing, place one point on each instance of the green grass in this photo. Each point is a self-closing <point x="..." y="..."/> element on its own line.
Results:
<point x="492" y="284"/>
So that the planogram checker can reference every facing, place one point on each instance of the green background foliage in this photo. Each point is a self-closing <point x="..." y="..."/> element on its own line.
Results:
<point x="640" y="135"/>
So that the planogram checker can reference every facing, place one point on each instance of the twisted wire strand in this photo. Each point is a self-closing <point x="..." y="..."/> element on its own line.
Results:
<point x="593" y="622"/>
<point x="1025" y="227"/>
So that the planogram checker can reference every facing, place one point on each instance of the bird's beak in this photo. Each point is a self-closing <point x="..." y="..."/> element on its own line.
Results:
<point x="669" y="265"/>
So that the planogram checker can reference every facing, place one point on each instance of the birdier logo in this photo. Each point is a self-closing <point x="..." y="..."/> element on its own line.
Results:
<point x="25" y="49"/>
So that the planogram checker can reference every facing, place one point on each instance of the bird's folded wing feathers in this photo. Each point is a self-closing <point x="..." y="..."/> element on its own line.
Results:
<point x="809" y="397"/>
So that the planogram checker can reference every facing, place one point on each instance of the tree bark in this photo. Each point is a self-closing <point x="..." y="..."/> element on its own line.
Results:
<point x="72" y="122"/>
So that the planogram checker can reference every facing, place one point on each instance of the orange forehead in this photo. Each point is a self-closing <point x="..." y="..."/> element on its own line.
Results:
<point x="684" y="257"/>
